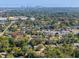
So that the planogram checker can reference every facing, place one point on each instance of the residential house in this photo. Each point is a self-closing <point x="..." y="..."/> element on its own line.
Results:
<point x="3" y="20"/>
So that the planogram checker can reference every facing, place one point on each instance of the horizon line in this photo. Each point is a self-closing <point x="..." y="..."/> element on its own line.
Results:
<point x="37" y="7"/>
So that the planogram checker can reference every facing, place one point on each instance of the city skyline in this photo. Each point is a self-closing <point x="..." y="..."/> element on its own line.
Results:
<point x="42" y="3"/>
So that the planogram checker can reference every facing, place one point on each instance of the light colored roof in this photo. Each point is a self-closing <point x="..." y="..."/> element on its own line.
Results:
<point x="32" y="18"/>
<point x="18" y="17"/>
<point x="3" y="18"/>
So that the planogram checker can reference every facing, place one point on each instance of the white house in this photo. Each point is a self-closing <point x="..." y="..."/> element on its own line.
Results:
<point x="32" y="18"/>
<point x="3" y="20"/>
<point x="15" y="18"/>
<point x="23" y="17"/>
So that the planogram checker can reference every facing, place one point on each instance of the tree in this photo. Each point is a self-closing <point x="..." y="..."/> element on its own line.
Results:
<point x="53" y="52"/>
<point x="67" y="50"/>
<point x="4" y="43"/>
<point x="30" y="53"/>
<point x="16" y="51"/>
<point x="10" y="55"/>
<point x="76" y="52"/>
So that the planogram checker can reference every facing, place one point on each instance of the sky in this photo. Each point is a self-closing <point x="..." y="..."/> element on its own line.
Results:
<point x="41" y="3"/>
